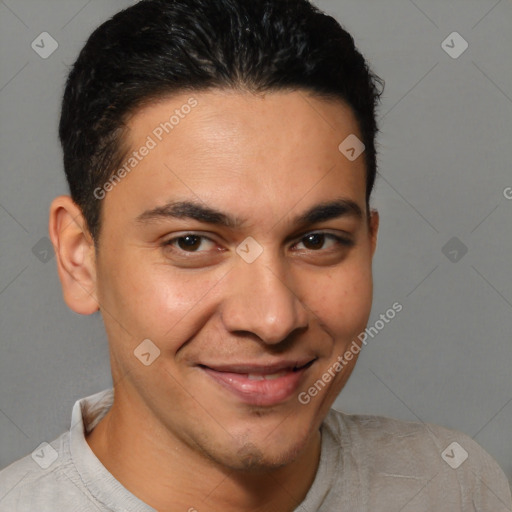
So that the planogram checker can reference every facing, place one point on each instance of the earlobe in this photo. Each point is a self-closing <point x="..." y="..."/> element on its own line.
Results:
<point x="75" y="255"/>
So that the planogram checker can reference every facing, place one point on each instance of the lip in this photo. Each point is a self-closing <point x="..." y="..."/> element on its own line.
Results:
<point x="263" y="369"/>
<point x="235" y="378"/>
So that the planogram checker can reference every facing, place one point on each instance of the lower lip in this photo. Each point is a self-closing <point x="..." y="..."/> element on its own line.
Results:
<point x="259" y="392"/>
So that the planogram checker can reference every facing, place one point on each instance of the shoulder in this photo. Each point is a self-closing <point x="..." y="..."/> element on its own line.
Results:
<point x="441" y="458"/>
<point x="41" y="480"/>
<point x="382" y="434"/>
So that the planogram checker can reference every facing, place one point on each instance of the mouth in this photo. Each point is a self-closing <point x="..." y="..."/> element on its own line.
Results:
<point x="261" y="385"/>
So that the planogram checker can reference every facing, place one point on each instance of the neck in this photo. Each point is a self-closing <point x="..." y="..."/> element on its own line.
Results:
<point x="167" y="474"/>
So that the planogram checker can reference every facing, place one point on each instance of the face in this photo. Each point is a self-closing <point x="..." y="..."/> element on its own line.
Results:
<point x="241" y="246"/>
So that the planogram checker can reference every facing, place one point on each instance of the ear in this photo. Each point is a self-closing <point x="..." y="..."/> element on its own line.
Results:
<point x="75" y="254"/>
<point x="374" y="229"/>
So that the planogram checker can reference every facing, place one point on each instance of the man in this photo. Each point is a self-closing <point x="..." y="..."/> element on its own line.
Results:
<point x="221" y="156"/>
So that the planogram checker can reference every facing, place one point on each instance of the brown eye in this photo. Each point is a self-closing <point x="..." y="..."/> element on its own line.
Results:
<point x="190" y="243"/>
<point x="314" y="241"/>
<point x="324" y="241"/>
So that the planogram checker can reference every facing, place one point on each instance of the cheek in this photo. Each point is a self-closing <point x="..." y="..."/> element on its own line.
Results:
<point x="343" y="300"/>
<point x="344" y="308"/>
<point x="157" y="301"/>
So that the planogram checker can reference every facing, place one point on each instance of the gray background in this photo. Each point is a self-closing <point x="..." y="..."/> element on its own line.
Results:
<point x="444" y="171"/>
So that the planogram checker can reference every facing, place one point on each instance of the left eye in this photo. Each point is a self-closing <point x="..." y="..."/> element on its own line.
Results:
<point x="316" y="241"/>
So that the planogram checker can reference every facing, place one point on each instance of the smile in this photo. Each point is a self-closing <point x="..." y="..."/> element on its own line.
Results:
<point x="261" y="386"/>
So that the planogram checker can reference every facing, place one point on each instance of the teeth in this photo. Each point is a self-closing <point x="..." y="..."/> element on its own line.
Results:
<point x="275" y="375"/>
<point x="272" y="376"/>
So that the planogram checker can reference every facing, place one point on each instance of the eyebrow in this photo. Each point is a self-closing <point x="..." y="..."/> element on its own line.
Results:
<point x="193" y="210"/>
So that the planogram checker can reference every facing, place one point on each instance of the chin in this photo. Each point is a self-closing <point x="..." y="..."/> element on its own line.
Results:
<point x="252" y="459"/>
<point x="262" y="455"/>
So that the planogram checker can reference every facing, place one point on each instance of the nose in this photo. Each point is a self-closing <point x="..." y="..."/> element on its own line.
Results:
<point x="261" y="301"/>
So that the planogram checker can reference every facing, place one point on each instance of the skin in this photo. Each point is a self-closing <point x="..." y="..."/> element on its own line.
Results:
<point x="265" y="159"/>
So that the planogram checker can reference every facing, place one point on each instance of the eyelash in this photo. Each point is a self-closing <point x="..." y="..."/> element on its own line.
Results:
<point x="340" y="241"/>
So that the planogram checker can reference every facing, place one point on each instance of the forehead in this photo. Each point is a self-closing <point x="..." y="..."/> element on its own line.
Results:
<point x="251" y="119"/>
<point x="240" y="149"/>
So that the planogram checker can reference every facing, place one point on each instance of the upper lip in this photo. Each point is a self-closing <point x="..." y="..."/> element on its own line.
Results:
<point x="262" y="369"/>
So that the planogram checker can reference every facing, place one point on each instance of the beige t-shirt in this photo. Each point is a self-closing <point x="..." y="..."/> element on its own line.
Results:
<point x="367" y="463"/>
